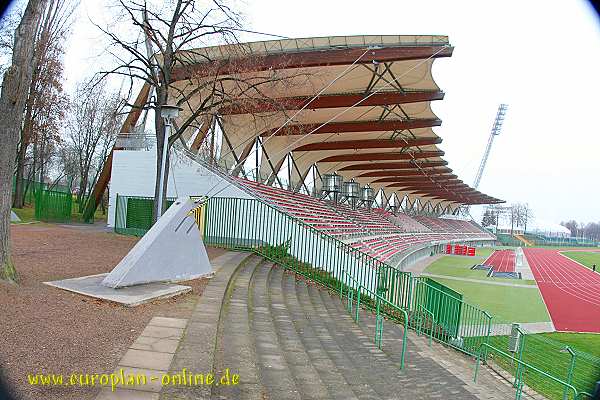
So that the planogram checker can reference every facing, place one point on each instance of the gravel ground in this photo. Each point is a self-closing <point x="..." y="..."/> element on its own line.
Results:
<point x="48" y="330"/>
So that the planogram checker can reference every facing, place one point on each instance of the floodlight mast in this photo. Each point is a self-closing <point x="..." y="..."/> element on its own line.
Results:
<point x="496" y="128"/>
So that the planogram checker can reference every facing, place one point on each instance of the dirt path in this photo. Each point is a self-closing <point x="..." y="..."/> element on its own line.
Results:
<point x="47" y="330"/>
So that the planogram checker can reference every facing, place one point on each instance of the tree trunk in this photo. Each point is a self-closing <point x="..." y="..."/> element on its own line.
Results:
<point x="82" y="190"/>
<point x="15" y="86"/>
<point x="19" y="196"/>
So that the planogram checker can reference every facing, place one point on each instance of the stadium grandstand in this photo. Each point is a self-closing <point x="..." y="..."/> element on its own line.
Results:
<point x="343" y="141"/>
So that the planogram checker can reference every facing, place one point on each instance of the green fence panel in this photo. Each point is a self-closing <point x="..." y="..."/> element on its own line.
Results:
<point x="133" y="214"/>
<point x="53" y="206"/>
<point x="441" y="312"/>
<point x="31" y="187"/>
<point x="446" y="306"/>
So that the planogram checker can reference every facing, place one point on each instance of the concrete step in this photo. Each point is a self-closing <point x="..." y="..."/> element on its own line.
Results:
<point x="438" y="364"/>
<point x="196" y="351"/>
<point x="308" y="379"/>
<point x="441" y="382"/>
<point x="235" y="348"/>
<point x="289" y="338"/>
<point x="373" y="365"/>
<point x="275" y="374"/>
<point x="362" y="361"/>
<point x="340" y="360"/>
<point x="337" y="385"/>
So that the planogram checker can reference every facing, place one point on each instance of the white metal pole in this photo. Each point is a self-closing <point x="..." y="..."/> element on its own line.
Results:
<point x="163" y="166"/>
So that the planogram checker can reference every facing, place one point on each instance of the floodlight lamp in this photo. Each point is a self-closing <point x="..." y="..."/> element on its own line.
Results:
<point x="169" y="111"/>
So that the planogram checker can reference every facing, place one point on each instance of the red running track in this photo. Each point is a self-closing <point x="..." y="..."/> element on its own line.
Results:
<point x="502" y="261"/>
<point x="571" y="291"/>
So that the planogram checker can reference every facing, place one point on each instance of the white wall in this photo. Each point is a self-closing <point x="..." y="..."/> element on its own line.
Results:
<point x="134" y="172"/>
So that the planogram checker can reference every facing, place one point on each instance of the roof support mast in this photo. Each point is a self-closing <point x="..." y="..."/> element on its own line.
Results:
<point x="496" y="128"/>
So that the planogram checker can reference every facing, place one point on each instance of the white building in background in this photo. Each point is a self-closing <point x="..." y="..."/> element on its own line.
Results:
<point x="134" y="174"/>
<point x="549" y="229"/>
<point x="535" y="225"/>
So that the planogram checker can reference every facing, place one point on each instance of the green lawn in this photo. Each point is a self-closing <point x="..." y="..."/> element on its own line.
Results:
<point x="27" y="214"/>
<point x="546" y="352"/>
<point x="566" y="248"/>
<point x="511" y="304"/>
<point x="585" y="342"/>
<point x="460" y="267"/>
<point x="587" y="258"/>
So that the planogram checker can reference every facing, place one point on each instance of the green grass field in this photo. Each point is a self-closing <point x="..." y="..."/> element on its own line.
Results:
<point x="27" y="214"/>
<point x="585" y="342"/>
<point x="587" y="258"/>
<point x="546" y="352"/>
<point x="503" y="302"/>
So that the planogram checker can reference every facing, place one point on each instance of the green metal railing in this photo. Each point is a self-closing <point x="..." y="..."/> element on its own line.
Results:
<point x="248" y="224"/>
<point x="354" y="289"/>
<point x="446" y="317"/>
<point x="53" y="206"/>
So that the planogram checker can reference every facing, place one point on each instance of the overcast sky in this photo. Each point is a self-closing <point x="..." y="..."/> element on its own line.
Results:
<point x="540" y="57"/>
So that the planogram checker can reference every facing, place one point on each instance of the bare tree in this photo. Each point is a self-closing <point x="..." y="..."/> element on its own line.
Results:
<point x="592" y="231"/>
<point x="165" y="52"/>
<point x="8" y="24"/>
<point x="46" y="101"/>
<point x="12" y="104"/>
<point x="571" y="226"/>
<point x="526" y="215"/>
<point x="92" y="126"/>
<point x="489" y="218"/>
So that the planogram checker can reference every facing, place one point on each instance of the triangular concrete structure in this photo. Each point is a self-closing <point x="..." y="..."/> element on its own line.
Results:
<point x="14" y="217"/>
<point x="172" y="250"/>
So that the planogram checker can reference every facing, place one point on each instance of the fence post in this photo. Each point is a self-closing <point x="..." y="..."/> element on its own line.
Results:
<point x="378" y="323"/>
<point x="518" y="383"/>
<point x="570" y="371"/>
<point x="342" y="286"/>
<point x="357" y="304"/>
<point x="487" y="336"/>
<point x="349" y="296"/>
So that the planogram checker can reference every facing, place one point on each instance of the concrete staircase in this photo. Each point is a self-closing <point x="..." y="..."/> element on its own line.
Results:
<point x="290" y="339"/>
<point x="522" y="238"/>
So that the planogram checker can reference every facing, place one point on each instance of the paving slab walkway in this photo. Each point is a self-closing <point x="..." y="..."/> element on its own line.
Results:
<point x="419" y="267"/>
<point x="149" y="356"/>
<point x="455" y="278"/>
